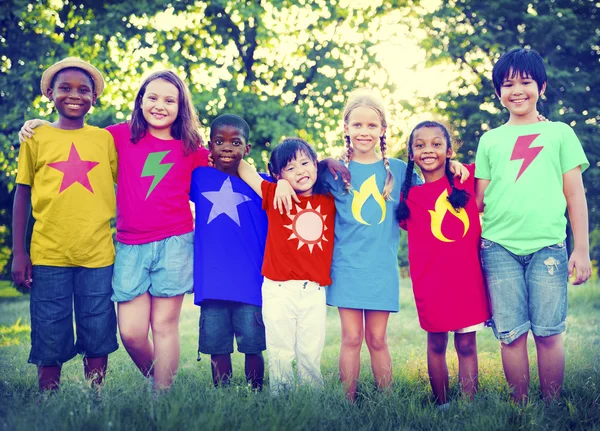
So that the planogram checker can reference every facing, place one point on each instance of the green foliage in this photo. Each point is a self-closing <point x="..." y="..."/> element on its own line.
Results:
<point x="285" y="66"/>
<point x="472" y="34"/>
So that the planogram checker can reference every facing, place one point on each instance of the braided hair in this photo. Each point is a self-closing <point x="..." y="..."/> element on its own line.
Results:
<point x="371" y="100"/>
<point x="458" y="198"/>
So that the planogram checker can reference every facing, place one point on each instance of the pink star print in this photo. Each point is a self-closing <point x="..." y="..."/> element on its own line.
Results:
<point x="74" y="170"/>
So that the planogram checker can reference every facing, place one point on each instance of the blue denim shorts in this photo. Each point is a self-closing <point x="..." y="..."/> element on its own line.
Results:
<point x="526" y="292"/>
<point x="163" y="268"/>
<point x="221" y="320"/>
<point x="55" y="291"/>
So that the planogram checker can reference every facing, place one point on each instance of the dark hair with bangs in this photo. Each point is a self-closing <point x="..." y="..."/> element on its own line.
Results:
<point x="185" y="127"/>
<point x="287" y="151"/>
<point x="78" y="69"/>
<point x="519" y="62"/>
<point x="233" y="121"/>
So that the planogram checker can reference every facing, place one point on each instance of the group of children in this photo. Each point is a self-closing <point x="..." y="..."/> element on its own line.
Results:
<point x="268" y="253"/>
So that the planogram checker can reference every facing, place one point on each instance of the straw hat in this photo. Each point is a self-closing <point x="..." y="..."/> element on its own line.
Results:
<point x="65" y="63"/>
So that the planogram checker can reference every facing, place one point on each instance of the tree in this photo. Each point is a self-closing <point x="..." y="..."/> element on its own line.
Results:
<point x="474" y="33"/>
<point x="284" y="66"/>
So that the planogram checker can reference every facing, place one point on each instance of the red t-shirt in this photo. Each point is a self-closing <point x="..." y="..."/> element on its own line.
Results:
<point x="443" y="254"/>
<point x="299" y="245"/>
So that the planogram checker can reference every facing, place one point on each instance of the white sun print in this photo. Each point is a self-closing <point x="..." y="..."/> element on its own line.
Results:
<point x="308" y="226"/>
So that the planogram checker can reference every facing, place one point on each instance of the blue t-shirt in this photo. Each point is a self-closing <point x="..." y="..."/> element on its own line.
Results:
<point x="364" y="271"/>
<point x="230" y="235"/>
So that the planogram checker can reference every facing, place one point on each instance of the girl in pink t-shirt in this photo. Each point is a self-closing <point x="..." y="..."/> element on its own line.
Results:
<point x="158" y="150"/>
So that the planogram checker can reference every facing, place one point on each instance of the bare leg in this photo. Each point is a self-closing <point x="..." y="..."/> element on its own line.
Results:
<point x="95" y="370"/>
<point x="376" y="337"/>
<point x="134" y="326"/>
<point x="221" y="369"/>
<point x="466" y="349"/>
<point x="551" y="365"/>
<point x="165" y="333"/>
<point x="49" y="377"/>
<point x="516" y="367"/>
<point x="352" y="338"/>
<point x="436" y="365"/>
<point x="255" y="370"/>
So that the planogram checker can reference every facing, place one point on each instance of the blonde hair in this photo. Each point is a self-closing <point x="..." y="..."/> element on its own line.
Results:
<point x="370" y="99"/>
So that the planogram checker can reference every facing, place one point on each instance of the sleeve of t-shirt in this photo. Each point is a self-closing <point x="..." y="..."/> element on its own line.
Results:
<point x="200" y="157"/>
<point x="26" y="166"/>
<point x="119" y="132"/>
<point x="197" y="178"/>
<point x="329" y="183"/>
<point x="571" y="151"/>
<point x="482" y="163"/>
<point x="113" y="158"/>
<point x="268" y="194"/>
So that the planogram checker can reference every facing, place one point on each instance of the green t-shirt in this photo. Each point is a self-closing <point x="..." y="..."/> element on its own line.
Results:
<point x="524" y="202"/>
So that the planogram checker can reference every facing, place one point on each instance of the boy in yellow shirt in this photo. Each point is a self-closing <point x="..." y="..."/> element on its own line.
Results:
<point x="66" y="175"/>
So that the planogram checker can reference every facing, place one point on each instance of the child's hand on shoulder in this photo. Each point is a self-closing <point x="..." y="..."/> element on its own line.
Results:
<point x="580" y="266"/>
<point x="284" y="194"/>
<point x="459" y="170"/>
<point x="27" y="132"/>
<point x="336" y="167"/>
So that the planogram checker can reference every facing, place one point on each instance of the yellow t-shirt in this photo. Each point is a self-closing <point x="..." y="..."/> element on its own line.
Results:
<point x="72" y="175"/>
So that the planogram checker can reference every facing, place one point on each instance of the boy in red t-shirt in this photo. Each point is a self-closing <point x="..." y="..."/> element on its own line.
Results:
<point x="296" y="265"/>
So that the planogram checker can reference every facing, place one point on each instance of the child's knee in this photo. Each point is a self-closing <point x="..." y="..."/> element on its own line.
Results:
<point x="437" y="346"/>
<point x="549" y="342"/>
<point x="465" y="347"/>
<point x="376" y="342"/>
<point x="352" y="340"/>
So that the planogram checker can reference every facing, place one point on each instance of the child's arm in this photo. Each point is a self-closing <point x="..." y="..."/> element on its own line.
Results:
<point x="249" y="175"/>
<point x="480" y="186"/>
<point x="336" y="167"/>
<point x="459" y="170"/>
<point x="27" y="132"/>
<point x="578" y="214"/>
<point x="21" y="264"/>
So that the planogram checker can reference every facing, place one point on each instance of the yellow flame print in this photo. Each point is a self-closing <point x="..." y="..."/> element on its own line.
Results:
<point x="442" y="206"/>
<point x="367" y="189"/>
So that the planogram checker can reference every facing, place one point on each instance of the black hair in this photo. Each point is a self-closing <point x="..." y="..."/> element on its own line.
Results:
<point x="78" y="69"/>
<point x="519" y="62"/>
<point x="458" y="198"/>
<point x="233" y="121"/>
<point x="287" y="151"/>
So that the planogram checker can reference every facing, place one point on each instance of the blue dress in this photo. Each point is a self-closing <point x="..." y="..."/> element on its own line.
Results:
<point x="364" y="271"/>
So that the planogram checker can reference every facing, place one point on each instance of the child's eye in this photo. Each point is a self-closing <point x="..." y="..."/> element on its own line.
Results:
<point x="218" y="142"/>
<point x="236" y="143"/>
<point x="84" y="90"/>
<point x="152" y="97"/>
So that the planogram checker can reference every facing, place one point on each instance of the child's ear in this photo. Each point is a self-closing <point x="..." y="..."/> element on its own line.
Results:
<point x="449" y="152"/>
<point x="277" y="177"/>
<point x="210" y="146"/>
<point x="49" y="94"/>
<point x="248" y="148"/>
<point x="94" y="98"/>
<point x="346" y="129"/>
<point x="411" y="156"/>
<point x="543" y="89"/>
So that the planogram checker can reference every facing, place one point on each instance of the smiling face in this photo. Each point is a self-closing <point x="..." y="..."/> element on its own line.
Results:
<point x="228" y="147"/>
<point x="301" y="173"/>
<point x="519" y="94"/>
<point x="430" y="151"/>
<point x="160" y="106"/>
<point x="73" y="95"/>
<point x="364" y="127"/>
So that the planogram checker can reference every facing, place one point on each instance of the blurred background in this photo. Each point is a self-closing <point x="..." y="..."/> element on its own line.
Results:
<point x="287" y="67"/>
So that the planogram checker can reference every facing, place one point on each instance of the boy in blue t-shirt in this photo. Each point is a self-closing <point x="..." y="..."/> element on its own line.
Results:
<point x="230" y="234"/>
<point x="528" y="172"/>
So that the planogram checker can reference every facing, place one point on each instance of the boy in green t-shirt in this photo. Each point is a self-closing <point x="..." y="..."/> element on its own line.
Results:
<point x="528" y="172"/>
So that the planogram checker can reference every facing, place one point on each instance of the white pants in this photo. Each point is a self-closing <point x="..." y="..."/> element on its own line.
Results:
<point x="294" y="313"/>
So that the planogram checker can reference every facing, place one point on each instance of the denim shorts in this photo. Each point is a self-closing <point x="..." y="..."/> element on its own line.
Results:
<point x="526" y="292"/>
<point x="221" y="320"/>
<point x="55" y="291"/>
<point x="163" y="268"/>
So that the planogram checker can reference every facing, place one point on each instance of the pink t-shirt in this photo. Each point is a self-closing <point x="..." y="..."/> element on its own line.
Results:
<point x="153" y="187"/>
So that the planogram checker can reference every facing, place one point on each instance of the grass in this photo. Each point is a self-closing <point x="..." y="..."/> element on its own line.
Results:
<point x="192" y="403"/>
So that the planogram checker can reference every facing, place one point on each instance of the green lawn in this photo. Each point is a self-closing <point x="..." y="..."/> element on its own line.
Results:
<point x="193" y="403"/>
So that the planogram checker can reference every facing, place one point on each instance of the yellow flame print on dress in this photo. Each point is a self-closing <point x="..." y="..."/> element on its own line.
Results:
<point x="442" y="206"/>
<point x="367" y="189"/>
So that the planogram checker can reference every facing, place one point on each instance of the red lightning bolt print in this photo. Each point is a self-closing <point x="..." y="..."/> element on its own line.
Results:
<point x="523" y="151"/>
